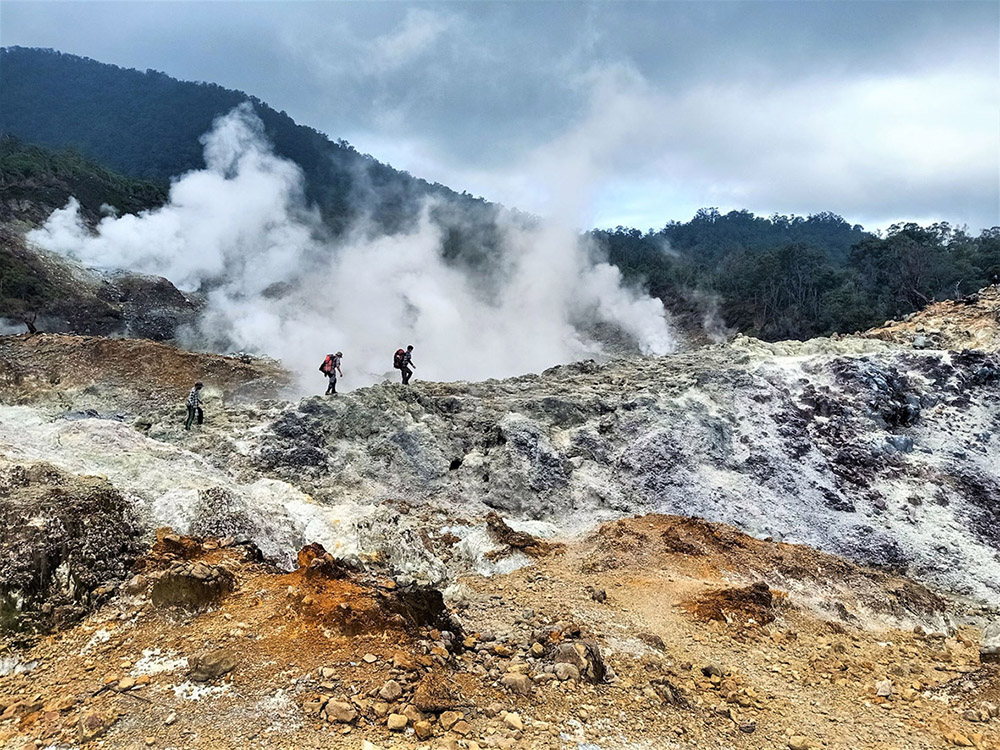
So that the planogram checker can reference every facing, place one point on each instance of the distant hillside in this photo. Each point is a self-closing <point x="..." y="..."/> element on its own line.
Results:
<point x="147" y="125"/>
<point x="54" y="294"/>
<point x="35" y="180"/>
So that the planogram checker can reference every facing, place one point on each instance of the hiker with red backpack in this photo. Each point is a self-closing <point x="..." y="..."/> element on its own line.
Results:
<point x="331" y="368"/>
<point x="402" y="361"/>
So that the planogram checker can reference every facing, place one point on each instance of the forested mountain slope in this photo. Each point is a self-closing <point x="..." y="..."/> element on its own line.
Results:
<point x="148" y="125"/>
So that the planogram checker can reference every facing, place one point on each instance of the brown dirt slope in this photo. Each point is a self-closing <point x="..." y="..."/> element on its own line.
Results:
<point x="971" y="322"/>
<point x="653" y="634"/>
<point x="47" y="367"/>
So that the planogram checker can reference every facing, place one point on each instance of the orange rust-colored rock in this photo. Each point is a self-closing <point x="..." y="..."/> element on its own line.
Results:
<point x="517" y="540"/>
<point x="744" y="606"/>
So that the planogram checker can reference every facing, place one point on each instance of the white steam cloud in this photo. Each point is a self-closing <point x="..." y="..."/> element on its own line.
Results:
<point x="241" y="233"/>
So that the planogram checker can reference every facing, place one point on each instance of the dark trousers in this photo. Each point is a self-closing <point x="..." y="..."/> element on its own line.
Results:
<point x="407" y="372"/>
<point x="332" y="388"/>
<point x="191" y="416"/>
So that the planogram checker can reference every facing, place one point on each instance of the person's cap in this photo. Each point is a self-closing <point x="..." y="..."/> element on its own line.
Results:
<point x="410" y="346"/>
<point x="340" y="354"/>
<point x="199" y="385"/>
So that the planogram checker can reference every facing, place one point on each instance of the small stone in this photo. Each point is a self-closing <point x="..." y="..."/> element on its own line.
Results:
<point x="567" y="671"/>
<point x="126" y="683"/>
<point x="369" y="658"/>
<point x="513" y="721"/>
<point x="449" y="719"/>
<point x="404" y="661"/>
<point x="958" y="739"/>
<point x="537" y="649"/>
<point x="396" y="722"/>
<point x="327" y="672"/>
<point x="412" y="714"/>
<point x="883" y="688"/>
<point x="462" y="727"/>
<point x="390" y="691"/>
<point x="341" y="712"/>
<point x="798" y="742"/>
<point x="423" y="730"/>
<point x="712" y="670"/>
<point x="171" y="718"/>
<point x="517" y="683"/>
<point x="211" y="665"/>
<point x="92" y="725"/>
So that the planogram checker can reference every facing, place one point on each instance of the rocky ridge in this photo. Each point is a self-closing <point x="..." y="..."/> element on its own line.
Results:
<point x="971" y="322"/>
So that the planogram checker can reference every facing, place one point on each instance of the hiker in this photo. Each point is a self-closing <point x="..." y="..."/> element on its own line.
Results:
<point x="995" y="279"/>
<point x="194" y="406"/>
<point x="331" y="368"/>
<point x="403" y="362"/>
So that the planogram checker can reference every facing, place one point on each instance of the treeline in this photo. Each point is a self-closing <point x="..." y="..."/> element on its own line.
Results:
<point x="793" y="277"/>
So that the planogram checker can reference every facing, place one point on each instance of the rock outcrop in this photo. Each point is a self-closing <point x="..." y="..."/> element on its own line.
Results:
<point x="66" y="543"/>
<point x="854" y="446"/>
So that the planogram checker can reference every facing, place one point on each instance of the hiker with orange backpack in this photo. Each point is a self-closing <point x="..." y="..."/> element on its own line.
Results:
<point x="402" y="361"/>
<point x="331" y="368"/>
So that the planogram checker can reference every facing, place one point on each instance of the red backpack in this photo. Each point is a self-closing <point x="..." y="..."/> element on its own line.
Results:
<point x="327" y="367"/>
<point x="397" y="359"/>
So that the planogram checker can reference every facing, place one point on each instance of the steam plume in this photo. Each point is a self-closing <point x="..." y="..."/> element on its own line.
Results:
<point x="240" y="231"/>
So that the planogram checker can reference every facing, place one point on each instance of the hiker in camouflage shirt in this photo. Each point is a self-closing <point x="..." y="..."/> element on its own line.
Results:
<point x="194" y="406"/>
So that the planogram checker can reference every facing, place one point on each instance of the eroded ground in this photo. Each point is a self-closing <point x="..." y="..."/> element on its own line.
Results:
<point x="648" y="634"/>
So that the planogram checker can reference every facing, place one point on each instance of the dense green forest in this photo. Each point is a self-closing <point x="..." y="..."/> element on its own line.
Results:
<point x="48" y="177"/>
<point x="793" y="277"/>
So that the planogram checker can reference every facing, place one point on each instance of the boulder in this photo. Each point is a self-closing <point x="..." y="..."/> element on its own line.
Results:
<point x="211" y="665"/>
<point x="192" y="585"/>
<point x="585" y="655"/>
<point x="66" y="543"/>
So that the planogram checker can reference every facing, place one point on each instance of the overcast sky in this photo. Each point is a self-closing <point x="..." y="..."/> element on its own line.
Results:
<point x="633" y="113"/>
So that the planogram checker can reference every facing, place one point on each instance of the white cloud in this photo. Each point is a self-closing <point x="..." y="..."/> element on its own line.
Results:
<point x="876" y="148"/>
<point x="419" y="31"/>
